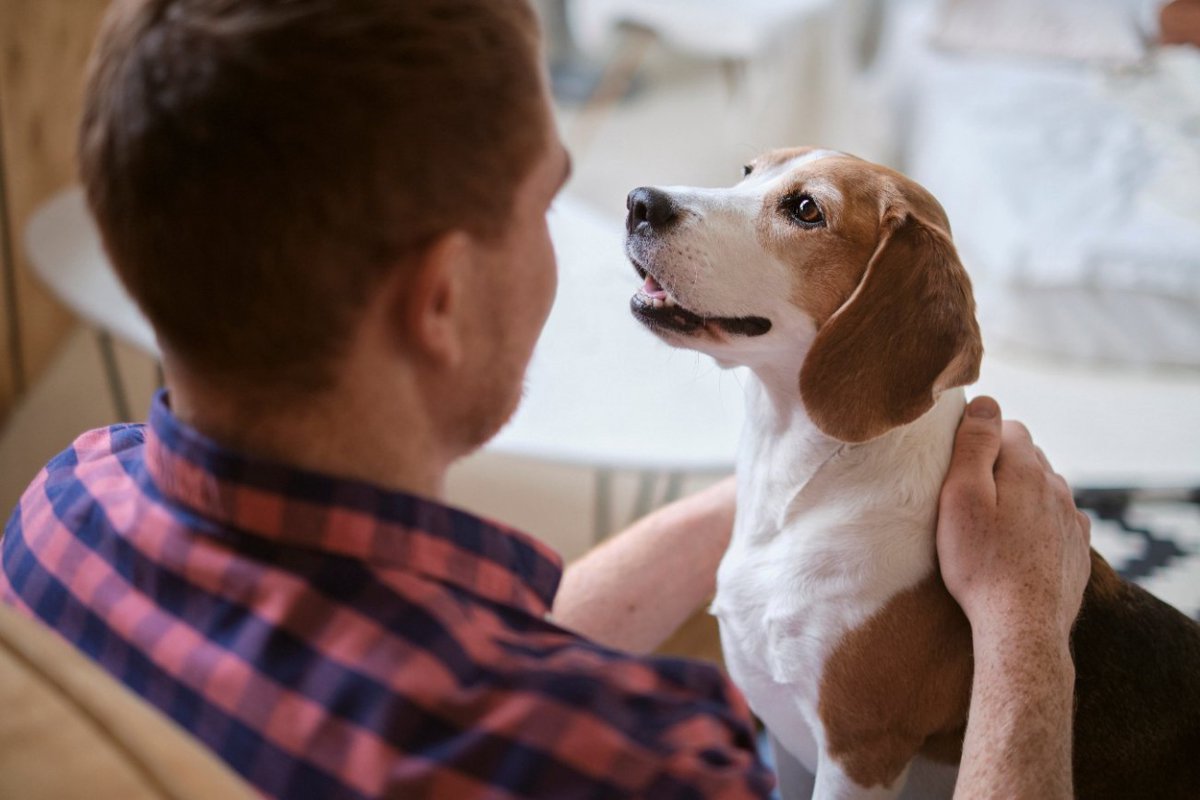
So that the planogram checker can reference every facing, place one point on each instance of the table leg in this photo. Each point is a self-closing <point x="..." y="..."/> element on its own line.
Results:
<point x="644" y="502"/>
<point x="674" y="487"/>
<point x="614" y="84"/>
<point x="602" y="509"/>
<point x="645" y="496"/>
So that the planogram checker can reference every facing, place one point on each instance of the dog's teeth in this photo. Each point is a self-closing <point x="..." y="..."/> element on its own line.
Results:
<point x="658" y="302"/>
<point x="669" y="301"/>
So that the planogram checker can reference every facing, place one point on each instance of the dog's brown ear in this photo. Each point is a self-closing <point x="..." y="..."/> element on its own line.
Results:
<point x="906" y="333"/>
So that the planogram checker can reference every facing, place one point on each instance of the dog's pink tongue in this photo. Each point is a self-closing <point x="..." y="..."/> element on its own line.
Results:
<point x="651" y="288"/>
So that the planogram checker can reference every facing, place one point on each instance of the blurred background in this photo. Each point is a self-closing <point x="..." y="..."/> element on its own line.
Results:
<point x="1062" y="137"/>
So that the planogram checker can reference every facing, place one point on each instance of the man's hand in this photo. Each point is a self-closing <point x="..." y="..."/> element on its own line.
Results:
<point x="1012" y="546"/>
<point x="1014" y="553"/>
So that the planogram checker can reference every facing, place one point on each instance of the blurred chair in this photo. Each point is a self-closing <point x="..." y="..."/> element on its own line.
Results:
<point x="707" y="28"/>
<point x="70" y="731"/>
<point x="65" y="250"/>
<point x="796" y="62"/>
<point x="574" y="77"/>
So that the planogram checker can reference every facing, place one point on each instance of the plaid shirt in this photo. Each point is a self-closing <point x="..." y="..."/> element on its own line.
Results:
<point x="331" y="639"/>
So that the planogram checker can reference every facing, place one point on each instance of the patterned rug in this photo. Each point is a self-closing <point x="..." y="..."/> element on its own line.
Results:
<point x="1151" y="538"/>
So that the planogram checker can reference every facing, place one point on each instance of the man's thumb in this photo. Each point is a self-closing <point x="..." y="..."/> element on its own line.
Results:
<point x="977" y="444"/>
<point x="985" y="408"/>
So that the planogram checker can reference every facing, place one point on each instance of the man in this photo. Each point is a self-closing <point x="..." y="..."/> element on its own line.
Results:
<point x="333" y="213"/>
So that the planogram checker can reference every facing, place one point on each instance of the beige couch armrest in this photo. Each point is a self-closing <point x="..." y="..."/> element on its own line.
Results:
<point x="68" y="730"/>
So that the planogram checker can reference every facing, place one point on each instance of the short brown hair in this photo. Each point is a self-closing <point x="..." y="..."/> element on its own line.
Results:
<point x="255" y="165"/>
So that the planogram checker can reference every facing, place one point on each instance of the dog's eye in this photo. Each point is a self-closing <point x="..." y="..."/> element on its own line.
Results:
<point x="747" y="169"/>
<point x="803" y="210"/>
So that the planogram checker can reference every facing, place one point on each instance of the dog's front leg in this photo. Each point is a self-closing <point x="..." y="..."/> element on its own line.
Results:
<point x="834" y="783"/>
<point x="796" y="781"/>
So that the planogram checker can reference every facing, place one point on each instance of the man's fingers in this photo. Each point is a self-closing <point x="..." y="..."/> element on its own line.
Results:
<point x="1018" y="448"/>
<point x="976" y="447"/>
<point x="1063" y="490"/>
<point x="1041" y="457"/>
<point x="1017" y="431"/>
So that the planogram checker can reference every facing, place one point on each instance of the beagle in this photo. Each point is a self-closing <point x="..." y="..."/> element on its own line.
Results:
<point x="836" y="282"/>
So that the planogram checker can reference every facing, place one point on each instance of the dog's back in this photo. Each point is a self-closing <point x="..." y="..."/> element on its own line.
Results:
<point x="1137" y="694"/>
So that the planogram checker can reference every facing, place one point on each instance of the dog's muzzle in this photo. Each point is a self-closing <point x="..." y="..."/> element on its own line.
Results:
<point x="653" y="213"/>
<point x="656" y="308"/>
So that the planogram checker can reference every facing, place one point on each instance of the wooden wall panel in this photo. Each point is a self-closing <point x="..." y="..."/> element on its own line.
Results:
<point x="7" y="387"/>
<point x="44" y="46"/>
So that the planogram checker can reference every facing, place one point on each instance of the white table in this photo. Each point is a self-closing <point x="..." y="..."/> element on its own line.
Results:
<point x="602" y="391"/>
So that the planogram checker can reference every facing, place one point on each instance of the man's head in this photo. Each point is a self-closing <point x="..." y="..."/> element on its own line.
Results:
<point x="261" y="170"/>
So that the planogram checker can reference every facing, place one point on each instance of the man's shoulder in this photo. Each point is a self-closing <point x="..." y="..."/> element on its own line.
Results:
<point x="99" y="446"/>
<point x="101" y="457"/>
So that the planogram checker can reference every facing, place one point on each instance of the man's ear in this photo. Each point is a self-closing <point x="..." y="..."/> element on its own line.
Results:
<point x="430" y="304"/>
<point x="906" y="333"/>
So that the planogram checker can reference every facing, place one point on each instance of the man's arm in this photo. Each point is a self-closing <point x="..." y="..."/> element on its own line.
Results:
<point x="1014" y="553"/>
<point x="637" y="588"/>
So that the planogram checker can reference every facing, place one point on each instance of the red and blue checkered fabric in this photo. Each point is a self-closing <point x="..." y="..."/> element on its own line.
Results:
<point x="330" y="639"/>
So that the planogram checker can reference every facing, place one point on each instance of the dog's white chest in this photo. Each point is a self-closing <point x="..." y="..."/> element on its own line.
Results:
<point x="783" y="607"/>
<point x="774" y="646"/>
<point x="822" y="543"/>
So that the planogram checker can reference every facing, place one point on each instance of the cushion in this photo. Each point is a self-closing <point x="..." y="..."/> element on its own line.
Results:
<point x="68" y="730"/>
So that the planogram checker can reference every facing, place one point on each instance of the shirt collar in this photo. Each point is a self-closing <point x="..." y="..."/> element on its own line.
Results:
<point x="390" y="530"/>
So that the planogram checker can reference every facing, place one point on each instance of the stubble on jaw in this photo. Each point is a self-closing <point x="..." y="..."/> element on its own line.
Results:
<point x="491" y="399"/>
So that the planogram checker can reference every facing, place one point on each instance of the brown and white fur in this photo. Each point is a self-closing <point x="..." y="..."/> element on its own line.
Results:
<point x="836" y="282"/>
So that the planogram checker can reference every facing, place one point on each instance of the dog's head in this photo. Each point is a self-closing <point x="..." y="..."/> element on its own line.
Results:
<point x="816" y="261"/>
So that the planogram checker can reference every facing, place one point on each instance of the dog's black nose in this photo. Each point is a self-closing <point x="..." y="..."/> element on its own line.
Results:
<point x="651" y="207"/>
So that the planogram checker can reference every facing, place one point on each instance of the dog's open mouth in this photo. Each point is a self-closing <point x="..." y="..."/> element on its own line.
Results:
<point x="657" y="309"/>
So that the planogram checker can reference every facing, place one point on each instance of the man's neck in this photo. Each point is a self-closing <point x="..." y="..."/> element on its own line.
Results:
<point x="377" y="434"/>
